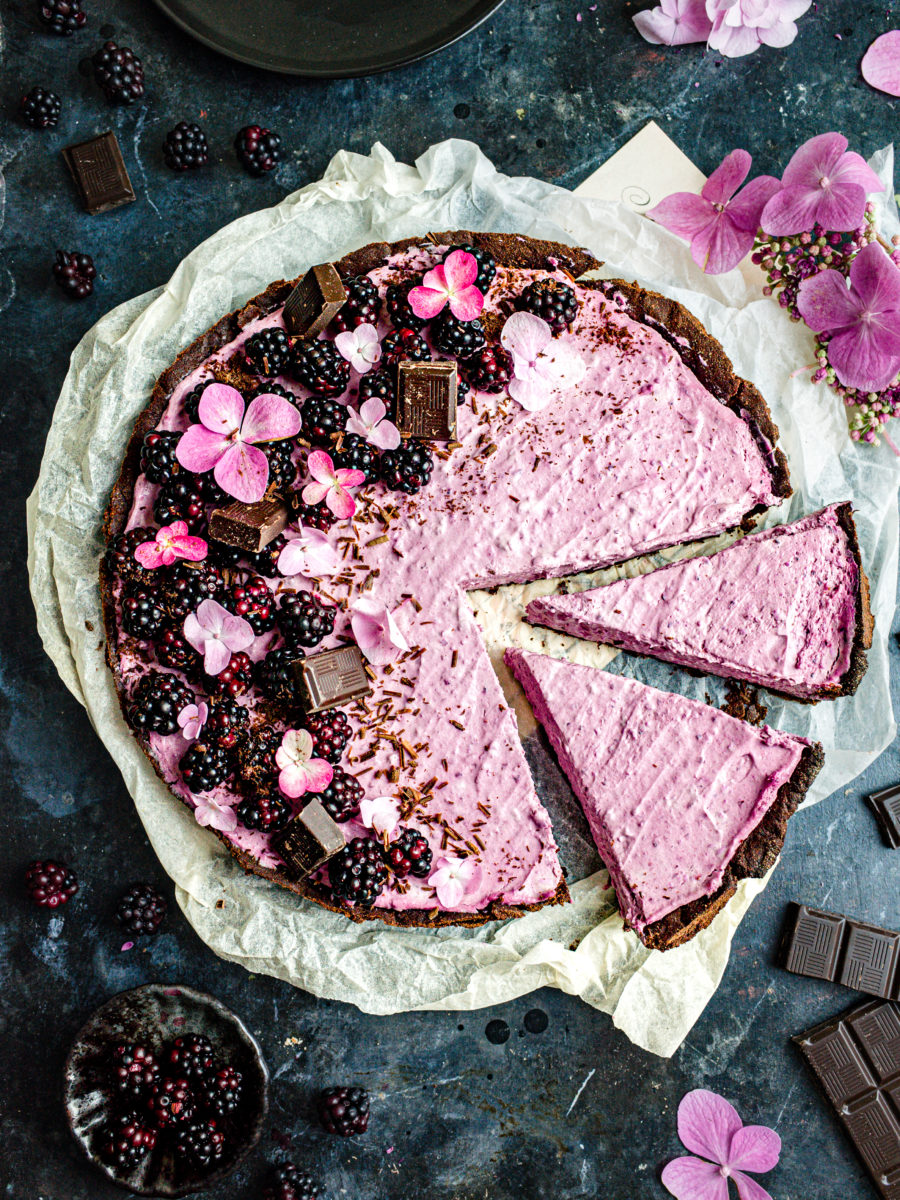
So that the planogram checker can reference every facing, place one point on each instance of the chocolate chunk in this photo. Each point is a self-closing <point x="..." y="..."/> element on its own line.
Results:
<point x="840" y="950"/>
<point x="99" y="172"/>
<point x="426" y="400"/>
<point x="856" y="1060"/>
<point x="250" y="527"/>
<point x="314" y="301"/>
<point x="332" y="677"/>
<point x="308" y="841"/>
<point x="886" y="807"/>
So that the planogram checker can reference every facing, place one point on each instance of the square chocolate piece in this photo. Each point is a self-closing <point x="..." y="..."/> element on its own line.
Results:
<point x="314" y="301"/>
<point x="308" y="841"/>
<point x="426" y="400"/>
<point x="249" y="527"/>
<point x="886" y="807"/>
<point x="332" y="677"/>
<point x="811" y="942"/>
<point x="99" y="172"/>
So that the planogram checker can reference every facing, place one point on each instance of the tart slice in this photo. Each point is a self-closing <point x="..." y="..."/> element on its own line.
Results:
<point x="683" y="801"/>
<point x="787" y="609"/>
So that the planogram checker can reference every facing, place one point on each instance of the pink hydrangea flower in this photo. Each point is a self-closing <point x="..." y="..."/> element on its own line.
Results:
<point x="308" y="552"/>
<point x="332" y="486"/>
<point x="223" y="441"/>
<point x="191" y="720"/>
<point x="863" y="318"/>
<point x="381" y="813"/>
<point x="451" y="282"/>
<point x="674" y="23"/>
<point x="708" y="1126"/>
<point x="721" y="222"/>
<point x="171" y="542"/>
<point x="881" y="63"/>
<point x="371" y="423"/>
<point x="741" y="26"/>
<point x="541" y="363"/>
<point x="377" y="633"/>
<point x="299" y="771"/>
<point x="214" y="813"/>
<point x="824" y="184"/>
<point x="216" y="633"/>
<point x="454" y="878"/>
<point x="360" y="347"/>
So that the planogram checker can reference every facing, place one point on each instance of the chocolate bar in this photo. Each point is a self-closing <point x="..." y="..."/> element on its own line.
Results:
<point x="856" y="1060"/>
<point x="99" y="172"/>
<point x="249" y="527"/>
<point x="886" y="807"/>
<point x="332" y="677"/>
<point x="314" y="301"/>
<point x="308" y="841"/>
<point x="426" y="400"/>
<point x="838" y="949"/>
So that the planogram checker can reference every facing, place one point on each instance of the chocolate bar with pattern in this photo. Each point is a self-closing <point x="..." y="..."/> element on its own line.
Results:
<point x="332" y="677"/>
<point x="838" y="949"/>
<point x="99" y="172"/>
<point x="886" y="807"/>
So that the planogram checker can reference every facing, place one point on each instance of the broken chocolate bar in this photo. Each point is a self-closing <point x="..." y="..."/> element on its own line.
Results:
<point x="886" y="807"/>
<point x="314" y="301"/>
<point x="426" y="400"/>
<point x="99" y="172"/>
<point x="308" y="841"/>
<point x="838" y="949"/>
<point x="249" y="527"/>
<point x="332" y="677"/>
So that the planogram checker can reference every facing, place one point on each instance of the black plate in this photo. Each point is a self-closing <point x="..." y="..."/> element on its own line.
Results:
<point x="328" y="38"/>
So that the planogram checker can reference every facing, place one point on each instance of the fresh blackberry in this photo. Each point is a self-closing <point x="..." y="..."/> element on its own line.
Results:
<point x="409" y="854"/>
<point x="142" y="614"/>
<point x="75" y="273"/>
<point x="50" y="883"/>
<point x="209" y="491"/>
<point x="344" y="1110"/>
<point x="187" y="585"/>
<point x="204" y="766"/>
<point x="378" y="383"/>
<point x="265" y="561"/>
<point x="40" y="108"/>
<point x="404" y="344"/>
<point x="191" y="1057"/>
<point x="171" y="1102"/>
<point x="185" y="147"/>
<point x="251" y="599"/>
<point x="275" y="389"/>
<point x="462" y="389"/>
<point x="227" y="723"/>
<point x="362" y="306"/>
<point x="487" y="267"/>
<point x="119" y="557"/>
<point x="180" y="500"/>
<point x="223" y="556"/>
<point x="256" y="755"/>
<point x="158" y="460"/>
<point x="220" y="1094"/>
<point x="119" y="73"/>
<point x="133" y="1070"/>
<point x="266" y="812"/>
<point x="288" y="1182"/>
<point x="126" y="1140"/>
<point x="199" y="1142"/>
<point x="358" y="454"/>
<point x="316" y="516"/>
<point x="342" y="796"/>
<point x="399" y="312"/>
<point x="157" y="701"/>
<point x="304" y="620"/>
<point x="457" y="338"/>
<point x="267" y="352"/>
<point x="62" y="17"/>
<point x="275" y="674"/>
<point x="258" y="150"/>
<point x="321" y="419"/>
<point x="408" y="468"/>
<point x="319" y="366"/>
<point x="551" y="300"/>
<point x="282" y="468"/>
<point x="330" y="733"/>
<point x="192" y="400"/>
<point x="141" y="910"/>
<point x="488" y="370"/>
<point x="174" y="650"/>
<point x="357" y="873"/>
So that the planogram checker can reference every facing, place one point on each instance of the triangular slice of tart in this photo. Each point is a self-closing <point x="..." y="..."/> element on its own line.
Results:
<point x="787" y="609"/>
<point x="682" y="800"/>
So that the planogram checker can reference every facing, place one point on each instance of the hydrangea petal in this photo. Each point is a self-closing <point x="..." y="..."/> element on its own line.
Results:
<point x="467" y="304"/>
<point x="860" y="361"/>
<point x="754" y="1148"/>
<point x="876" y="276"/>
<point x="727" y="177"/>
<point x="221" y="408"/>
<point x="315" y="493"/>
<point x="746" y="208"/>
<point x="426" y="302"/>
<point x="724" y="247"/>
<point x="199" y="449"/>
<point x="460" y="270"/>
<point x="243" y="472"/>
<point x="308" y="552"/>
<point x="693" y="1179"/>
<point x="881" y="63"/>
<point x="825" y="302"/>
<point x="818" y="156"/>
<point x="321" y="467"/>
<point x="381" y="813"/>
<point x="707" y="1123"/>
<point x="684" y="214"/>
<point x="796" y="210"/>
<point x="340" y="502"/>
<point x="674" y="23"/>
<point x="749" y="1189"/>
<point x="525" y="335"/>
<point x="270" y="418"/>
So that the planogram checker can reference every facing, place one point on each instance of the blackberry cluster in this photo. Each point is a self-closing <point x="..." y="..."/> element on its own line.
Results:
<point x="266" y="811"/>
<point x="399" y="312"/>
<point x="275" y="674"/>
<point x="288" y="1182"/>
<point x="40" y="108"/>
<point x="304" y="620"/>
<point x="127" y="1139"/>
<point x="275" y="389"/>
<point x="62" y="17"/>
<point x="208" y="489"/>
<point x="190" y="1056"/>
<point x="330" y="733"/>
<point x="404" y="344"/>
<point x="133" y="1071"/>
<point x="358" y="454"/>
<point x="180" y="500"/>
<point x="487" y="267"/>
<point x="119" y="557"/>
<point x="204" y="766"/>
<point x="268" y="352"/>
<point x="362" y="306"/>
<point x="192" y="400"/>
<point x="199" y="1142"/>
<point x="321" y="419"/>
<point x="222" y="555"/>
<point x="50" y="884"/>
<point x="409" y="854"/>
<point x="551" y="300"/>
<point x="342" y="796"/>
<point x="316" y="516"/>
<point x="319" y="366"/>
<point x="187" y="585"/>
<point x="142" y="615"/>
<point x="488" y="370"/>
<point x="282" y="468"/>
<point x="158" y="460"/>
<point x="75" y="273"/>
<point x="265" y="561"/>
<point x="457" y="338"/>
<point x="378" y="383"/>
<point x="227" y="723"/>
<point x="258" y="150"/>
<point x="233" y="680"/>
<point x="141" y="910"/>
<point x="119" y="73"/>
<point x="220" y="1093"/>
<point x="171" y="1102"/>
<point x="344" y="1110"/>
<point x="256" y="756"/>
<point x="406" y="469"/>
<point x="174" y="650"/>
<point x="185" y="147"/>
<point x="157" y="701"/>
<point x="357" y="873"/>
<point x="251" y="599"/>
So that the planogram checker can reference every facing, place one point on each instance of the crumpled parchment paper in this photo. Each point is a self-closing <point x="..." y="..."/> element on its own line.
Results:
<point x="581" y="948"/>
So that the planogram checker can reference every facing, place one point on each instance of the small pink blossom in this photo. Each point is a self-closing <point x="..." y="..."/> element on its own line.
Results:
<point x="299" y="771"/>
<point x="223" y="440"/>
<point x="881" y="63"/>
<point x="709" y="1126"/>
<point x="381" y="813"/>
<point x="453" y="879"/>
<point x="451" y="282"/>
<point x="216" y="633"/>
<point x="216" y="814"/>
<point x="360" y="347"/>
<point x="721" y="222"/>
<point x="371" y="423"/>
<point x="741" y="26"/>
<point x="191" y="720"/>
<point x="377" y="633"/>
<point x="171" y="542"/>
<point x="308" y="552"/>
<point x="674" y="23"/>
<point x="332" y="486"/>
<point x="541" y="363"/>
<point x="824" y="184"/>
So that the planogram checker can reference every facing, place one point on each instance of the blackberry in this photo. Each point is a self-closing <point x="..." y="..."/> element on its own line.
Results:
<point x="402" y="344"/>
<point x="319" y="366"/>
<point x="252" y="600"/>
<point x="209" y="491"/>
<point x="62" y="17"/>
<point x="408" y="468"/>
<point x="158" y="460"/>
<point x="275" y="673"/>
<point x="256" y="755"/>
<point x="357" y="873"/>
<point x="227" y="723"/>
<point x="378" y="383"/>
<point x="344" y="1110"/>
<point x="258" y="150"/>
<point x="119" y="73"/>
<point x="358" y="454"/>
<point x="40" y="108"/>
<point x="267" y="352"/>
<point x="200" y="1142"/>
<point x="142" y="615"/>
<point x="362" y="306"/>
<point x="204" y="766"/>
<point x="457" y="338"/>
<point x="133" y="1070"/>
<point x="157" y="701"/>
<point x="191" y="1057"/>
<point x="141" y="910"/>
<point x="488" y="370"/>
<point x="265" y="811"/>
<point x="175" y="651"/>
<point x="555" y="302"/>
<point x="185" y="147"/>
<point x="275" y="389"/>
<point x="487" y="267"/>
<point x="187" y="585"/>
<point x="304" y="620"/>
<point x="409" y="854"/>
<point x="399" y="312"/>
<point x="330" y="733"/>
<point x="171" y="1102"/>
<point x="180" y="500"/>
<point x="119" y="557"/>
<point x="321" y="419"/>
<point x="265" y="561"/>
<point x="192" y="400"/>
<point x="75" y="273"/>
<point x="462" y="389"/>
<point x="50" y="883"/>
<point x="126" y="1141"/>
<point x="222" y="555"/>
<point x="282" y="468"/>
<point x="288" y="1182"/>
<point x="342" y="796"/>
<point x="316" y="516"/>
<point x="220" y="1094"/>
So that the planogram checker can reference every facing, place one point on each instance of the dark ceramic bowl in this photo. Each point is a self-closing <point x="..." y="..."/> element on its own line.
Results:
<point x="153" y="1015"/>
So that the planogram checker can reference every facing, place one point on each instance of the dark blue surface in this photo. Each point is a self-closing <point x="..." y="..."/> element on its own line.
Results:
<point x="572" y="1111"/>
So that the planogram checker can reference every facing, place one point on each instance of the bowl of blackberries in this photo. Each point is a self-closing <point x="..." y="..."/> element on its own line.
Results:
<point x="166" y="1090"/>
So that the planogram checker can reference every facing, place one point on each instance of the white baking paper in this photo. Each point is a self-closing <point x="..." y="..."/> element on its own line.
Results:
<point x="581" y="948"/>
